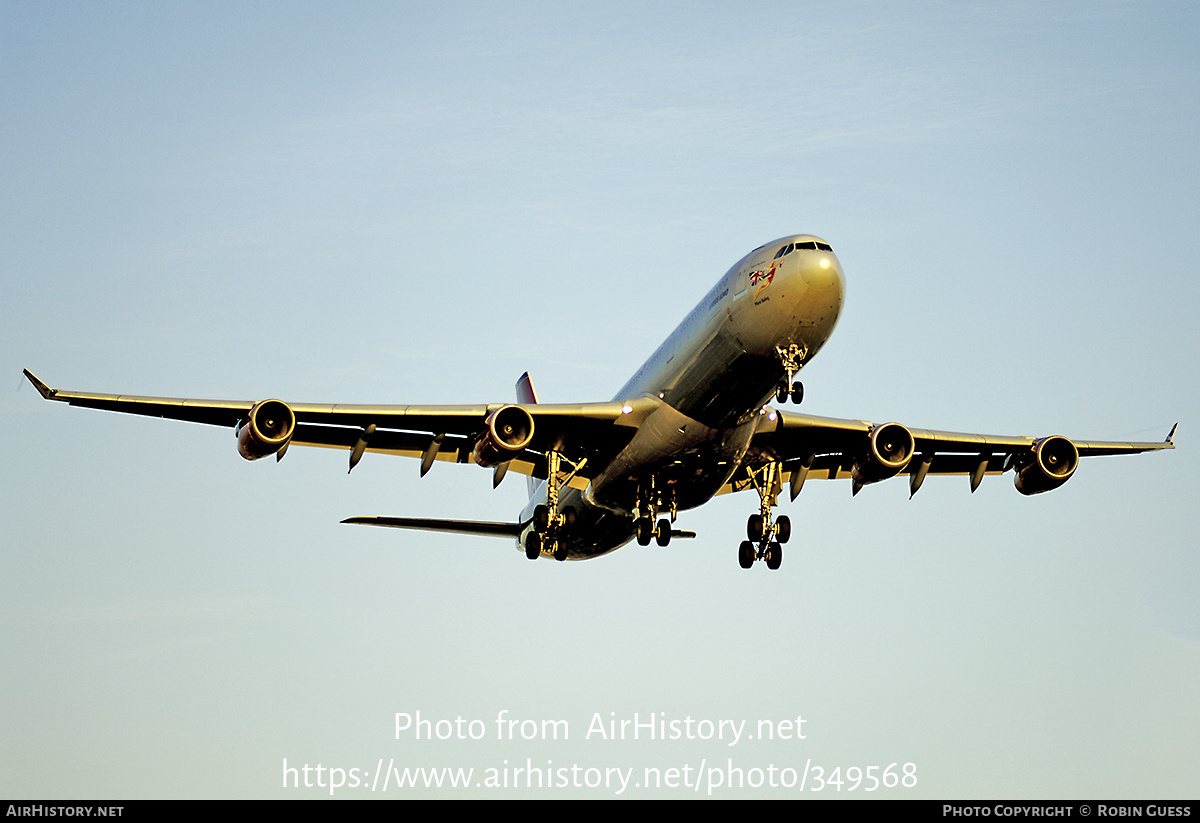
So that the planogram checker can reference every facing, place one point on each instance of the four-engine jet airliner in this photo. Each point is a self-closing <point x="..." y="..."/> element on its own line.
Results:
<point x="693" y="422"/>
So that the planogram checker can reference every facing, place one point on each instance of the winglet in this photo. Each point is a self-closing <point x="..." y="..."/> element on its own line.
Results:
<point x="48" y="393"/>
<point x="1170" y="435"/>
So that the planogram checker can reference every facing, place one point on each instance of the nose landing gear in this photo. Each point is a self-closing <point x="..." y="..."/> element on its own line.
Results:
<point x="792" y="357"/>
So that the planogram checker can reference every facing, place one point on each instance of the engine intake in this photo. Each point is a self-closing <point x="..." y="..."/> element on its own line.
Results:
<point x="506" y="433"/>
<point x="1049" y="464"/>
<point x="266" y="430"/>
<point x="890" y="447"/>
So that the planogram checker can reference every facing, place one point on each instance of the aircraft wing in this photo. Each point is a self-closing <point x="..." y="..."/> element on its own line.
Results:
<point x="810" y="447"/>
<point x="431" y="433"/>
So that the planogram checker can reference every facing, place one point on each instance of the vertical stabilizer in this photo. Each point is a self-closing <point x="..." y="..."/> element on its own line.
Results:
<point x="525" y="392"/>
<point x="526" y="396"/>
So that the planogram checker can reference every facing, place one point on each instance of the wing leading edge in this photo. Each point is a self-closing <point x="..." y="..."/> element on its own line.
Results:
<point x="821" y="448"/>
<point x="804" y="446"/>
<point x="431" y="433"/>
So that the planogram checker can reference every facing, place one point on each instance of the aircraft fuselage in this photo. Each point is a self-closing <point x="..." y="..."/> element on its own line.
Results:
<point x="712" y="377"/>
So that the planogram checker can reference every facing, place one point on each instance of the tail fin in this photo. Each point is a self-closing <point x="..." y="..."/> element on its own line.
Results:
<point x="527" y="396"/>
<point x="525" y="392"/>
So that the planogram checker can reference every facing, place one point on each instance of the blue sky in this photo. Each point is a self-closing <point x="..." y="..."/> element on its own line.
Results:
<point x="389" y="203"/>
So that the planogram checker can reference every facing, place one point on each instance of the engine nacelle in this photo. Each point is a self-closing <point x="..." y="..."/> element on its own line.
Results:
<point x="505" y="435"/>
<point x="1051" y="463"/>
<point x="890" y="447"/>
<point x="266" y="430"/>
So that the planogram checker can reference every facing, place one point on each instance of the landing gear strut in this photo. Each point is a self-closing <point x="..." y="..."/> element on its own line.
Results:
<point x="650" y="501"/>
<point x="548" y="520"/>
<point x="792" y="358"/>
<point x="765" y="538"/>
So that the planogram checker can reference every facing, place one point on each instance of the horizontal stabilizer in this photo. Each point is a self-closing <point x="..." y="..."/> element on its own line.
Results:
<point x="430" y="524"/>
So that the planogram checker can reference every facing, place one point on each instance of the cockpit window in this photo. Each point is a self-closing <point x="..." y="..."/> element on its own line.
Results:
<point x="810" y="245"/>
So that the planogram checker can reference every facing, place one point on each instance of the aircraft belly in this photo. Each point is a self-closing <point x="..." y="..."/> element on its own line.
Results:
<point x="690" y="459"/>
<point x="694" y="463"/>
<point x="594" y="531"/>
<point x="720" y="397"/>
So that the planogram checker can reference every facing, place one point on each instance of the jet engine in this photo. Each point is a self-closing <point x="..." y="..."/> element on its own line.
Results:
<point x="506" y="433"/>
<point x="266" y="430"/>
<point x="1051" y="463"/>
<point x="889" y="448"/>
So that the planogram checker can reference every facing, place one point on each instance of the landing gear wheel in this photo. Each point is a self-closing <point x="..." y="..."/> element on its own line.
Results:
<point x="541" y="518"/>
<point x="533" y="546"/>
<point x="746" y="554"/>
<point x="754" y="527"/>
<point x="783" y="528"/>
<point x="645" y="531"/>
<point x="782" y="391"/>
<point x="662" y="535"/>
<point x="774" y="556"/>
<point x="560" y="552"/>
<point x="797" y="393"/>
<point x="569" y="515"/>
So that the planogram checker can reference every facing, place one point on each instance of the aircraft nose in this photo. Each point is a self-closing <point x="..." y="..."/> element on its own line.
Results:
<point x="821" y="303"/>
<point x="824" y="274"/>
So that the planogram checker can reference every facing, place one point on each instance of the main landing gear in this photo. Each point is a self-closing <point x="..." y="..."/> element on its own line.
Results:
<point x="792" y="358"/>
<point x="765" y="538"/>
<point x="548" y="521"/>
<point x="650" y="501"/>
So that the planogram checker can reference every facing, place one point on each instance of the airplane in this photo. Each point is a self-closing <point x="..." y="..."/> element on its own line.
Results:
<point x="692" y="423"/>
